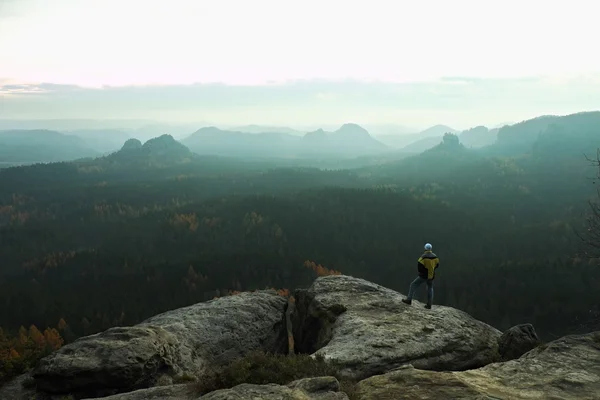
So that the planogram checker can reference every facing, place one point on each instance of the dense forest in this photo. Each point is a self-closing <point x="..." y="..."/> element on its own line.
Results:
<point x="96" y="243"/>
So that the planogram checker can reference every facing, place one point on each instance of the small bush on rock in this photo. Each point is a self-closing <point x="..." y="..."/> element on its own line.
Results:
<point x="263" y="368"/>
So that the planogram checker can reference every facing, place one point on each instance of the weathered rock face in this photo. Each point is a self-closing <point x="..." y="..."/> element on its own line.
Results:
<point x="16" y="390"/>
<point x="517" y="341"/>
<point x="174" y="392"/>
<point x="183" y="341"/>
<point x="367" y="330"/>
<point x="323" y="388"/>
<point x="568" y="368"/>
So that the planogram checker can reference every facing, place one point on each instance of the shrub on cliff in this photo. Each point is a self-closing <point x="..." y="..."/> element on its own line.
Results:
<point x="263" y="368"/>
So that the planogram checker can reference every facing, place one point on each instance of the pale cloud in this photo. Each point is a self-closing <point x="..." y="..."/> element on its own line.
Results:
<point x="472" y="102"/>
<point x="463" y="63"/>
<point x="326" y="96"/>
<point x="124" y="42"/>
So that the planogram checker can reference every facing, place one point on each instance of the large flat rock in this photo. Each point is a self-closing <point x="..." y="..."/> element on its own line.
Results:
<point x="565" y="369"/>
<point x="367" y="330"/>
<point x="187" y="341"/>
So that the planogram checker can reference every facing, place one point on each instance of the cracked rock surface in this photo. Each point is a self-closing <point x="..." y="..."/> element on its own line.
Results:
<point x="366" y="329"/>
<point x="565" y="369"/>
<point x="187" y="340"/>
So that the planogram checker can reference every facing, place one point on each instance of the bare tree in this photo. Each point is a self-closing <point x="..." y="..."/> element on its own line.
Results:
<point x="591" y="234"/>
<point x="591" y="240"/>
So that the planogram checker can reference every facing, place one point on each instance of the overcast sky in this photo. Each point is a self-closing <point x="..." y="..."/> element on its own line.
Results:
<point x="413" y="63"/>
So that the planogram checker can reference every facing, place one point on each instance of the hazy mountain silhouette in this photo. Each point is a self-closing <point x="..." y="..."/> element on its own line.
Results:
<point x="268" y="129"/>
<point x="160" y="150"/>
<point x="101" y="140"/>
<point x="521" y="137"/>
<point x="437" y="130"/>
<point x="348" y="140"/>
<point x="382" y="130"/>
<point x="132" y="144"/>
<point x="476" y="137"/>
<point x="479" y="136"/>
<point x="31" y="146"/>
<point x="402" y="141"/>
<point x="215" y="141"/>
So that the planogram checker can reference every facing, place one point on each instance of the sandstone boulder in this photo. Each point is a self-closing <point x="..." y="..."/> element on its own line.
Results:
<point x="187" y="341"/>
<point x="17" y="389"/>
<point x="567" y="368"/>
<point x="173" y="392"/>
<point x="323" y="388"/>
<point x="366" y="329"/>
<point x="517" y="341"/>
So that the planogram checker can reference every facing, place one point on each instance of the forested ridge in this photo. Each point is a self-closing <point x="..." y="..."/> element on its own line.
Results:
<point x="96" y="243"/>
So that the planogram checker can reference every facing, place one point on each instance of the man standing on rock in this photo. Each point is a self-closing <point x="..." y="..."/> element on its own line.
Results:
<point x="426" y="267"/>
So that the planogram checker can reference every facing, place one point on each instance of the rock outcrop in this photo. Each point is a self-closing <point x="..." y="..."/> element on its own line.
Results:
<point x="173" y="392"/>
<point x="366" y="330"/>
<point x="187" y="341"/>
<point x="567" y="368"/>
<point x="517" y="341"/>
<point x="17" y="389"/>
<point x="322" y="388"/>
<point x="396" y="351"/>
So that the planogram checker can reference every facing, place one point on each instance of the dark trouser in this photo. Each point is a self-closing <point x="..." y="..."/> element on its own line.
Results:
<point x="415" y="285"/>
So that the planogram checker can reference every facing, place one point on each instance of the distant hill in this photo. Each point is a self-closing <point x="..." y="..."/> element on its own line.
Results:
<point x="479" y="136"/>
<point x="521" y="137"/>
<point x="437" y="130"/>
<point x="402" y="141"/>
<point x="66" y="124"/>
<point x="348" y="140"/>
<point x="215" y="141"/>
<point x="383" y="130"/>
<point x="476" y="137"/>
<point x="550" y="133"/>
<point x="153" y="130"/>
<point x="268" y="129"/>
<point x="525" y="133"/>
<point x="101" y="140"/>
<point x="160" y="150"/>
<point x="422" y="144"/>
<point x="33" y="146"/>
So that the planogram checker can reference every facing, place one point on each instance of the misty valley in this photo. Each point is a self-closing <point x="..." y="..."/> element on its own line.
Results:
<point x="101" y="229"/>
<point x="320" y="200"/>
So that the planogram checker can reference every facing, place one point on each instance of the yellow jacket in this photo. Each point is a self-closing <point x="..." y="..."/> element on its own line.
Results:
<point x="427" y="265"/>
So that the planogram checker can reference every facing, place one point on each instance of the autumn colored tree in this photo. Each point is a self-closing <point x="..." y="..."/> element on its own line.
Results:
<point x="53" y="340"/>
<point x="37" y="337"/>
<point x="319" y="269"/>
<point x="23" y="351"/>
<point x="62" y="325"/>
<point x="188" y="221"/>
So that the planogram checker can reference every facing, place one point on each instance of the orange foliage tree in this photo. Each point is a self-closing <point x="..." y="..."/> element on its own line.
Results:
<point x="21" y="352"/>
<point x="188" y="221"/>
<point x="319" y="269"/>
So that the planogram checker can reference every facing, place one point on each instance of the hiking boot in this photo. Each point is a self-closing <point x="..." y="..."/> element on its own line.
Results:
<point x="407" y="301"/>
<point x="428" y="306"/>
